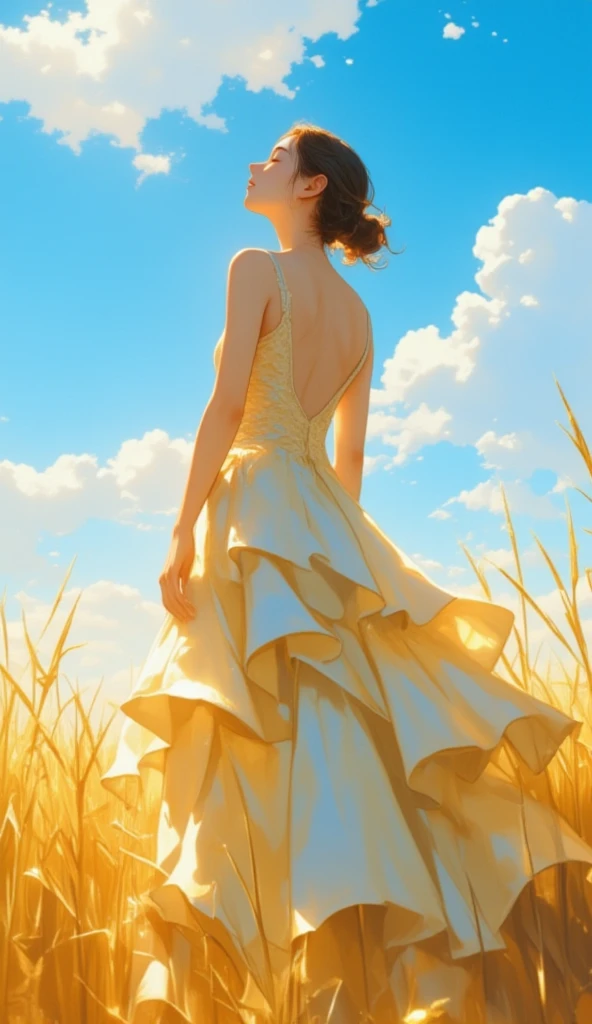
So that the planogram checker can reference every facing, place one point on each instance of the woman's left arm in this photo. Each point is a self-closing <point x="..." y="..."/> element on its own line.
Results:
<point x="247" y="295"/>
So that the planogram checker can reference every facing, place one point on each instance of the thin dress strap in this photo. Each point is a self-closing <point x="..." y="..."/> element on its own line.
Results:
<point x="280" y="278"/>
<point x="360" y="361"/>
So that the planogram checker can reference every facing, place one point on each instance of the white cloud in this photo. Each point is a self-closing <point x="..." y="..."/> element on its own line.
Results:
<point x="490" y="383"/>
<point x="504" y="558"/>
<point x="561" y="485"/>
<point x="373" y="462"/>
<point x="409" y="433"/>
<point x="490" y="443"/>
<point x="139" y="487"/>
<point x="452" y="31"/>
<point x="421" y="352"/>
<point x="148" y="164"/>
<point x="440" y="513"/>
<point x="112" y="67"/>
<point x="487" y="495"/>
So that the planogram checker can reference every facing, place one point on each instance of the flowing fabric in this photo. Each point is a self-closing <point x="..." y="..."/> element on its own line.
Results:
<point x="342" y="769"/>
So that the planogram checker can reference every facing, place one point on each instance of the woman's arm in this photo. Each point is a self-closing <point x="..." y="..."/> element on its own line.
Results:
<point x="248" y="292"/>
<point x="349" y="433"/>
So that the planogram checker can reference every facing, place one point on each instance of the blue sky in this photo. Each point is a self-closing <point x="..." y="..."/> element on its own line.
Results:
<point x="125" y="154"/>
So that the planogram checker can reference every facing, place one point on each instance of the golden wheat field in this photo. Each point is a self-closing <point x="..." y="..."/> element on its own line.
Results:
<point x="75" y="862"/>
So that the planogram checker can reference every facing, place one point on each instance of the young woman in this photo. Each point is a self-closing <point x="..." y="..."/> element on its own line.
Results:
<point x="347" y="819"/>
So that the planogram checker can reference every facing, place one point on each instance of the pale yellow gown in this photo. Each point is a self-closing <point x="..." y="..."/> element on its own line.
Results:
<point x="341" y="817"/>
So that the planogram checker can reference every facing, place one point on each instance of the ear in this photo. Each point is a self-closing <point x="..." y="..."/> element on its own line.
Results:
<point x="316" y="184"/>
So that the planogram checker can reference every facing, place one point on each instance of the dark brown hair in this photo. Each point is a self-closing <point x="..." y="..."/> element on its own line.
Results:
<point x="340" y="219"/>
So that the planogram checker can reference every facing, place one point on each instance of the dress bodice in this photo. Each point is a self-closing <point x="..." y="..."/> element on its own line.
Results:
<point x="273" y="414"/>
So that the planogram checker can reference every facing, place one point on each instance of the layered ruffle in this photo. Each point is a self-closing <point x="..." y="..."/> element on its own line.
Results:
<point x="331" y="732"/>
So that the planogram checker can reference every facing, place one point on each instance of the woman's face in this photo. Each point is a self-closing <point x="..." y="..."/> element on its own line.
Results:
<point x="271" y="178"/>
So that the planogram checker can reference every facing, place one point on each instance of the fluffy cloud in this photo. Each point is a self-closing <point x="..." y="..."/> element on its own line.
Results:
<point x="490" y="382"/>
<point x="409" y="433"/>
<point x="138" y="487"/>
<point x="487" y="495"/>
<point x="119" y="63"/>
<point x="151" y="165"/>
<point x="452" y="31"/>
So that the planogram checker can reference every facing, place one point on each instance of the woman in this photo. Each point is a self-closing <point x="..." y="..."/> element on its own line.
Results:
<point x="343" y="828"/>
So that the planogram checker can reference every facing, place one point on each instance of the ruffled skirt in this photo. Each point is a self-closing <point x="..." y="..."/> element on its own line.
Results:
<point x="349" y="814"/>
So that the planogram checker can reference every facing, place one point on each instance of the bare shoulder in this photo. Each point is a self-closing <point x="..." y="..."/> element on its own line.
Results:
<point x="250" y="258"/>
<point x="249" y="275"/>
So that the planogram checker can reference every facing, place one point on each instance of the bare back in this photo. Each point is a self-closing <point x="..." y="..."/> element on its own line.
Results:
<point x="329" y="329"/>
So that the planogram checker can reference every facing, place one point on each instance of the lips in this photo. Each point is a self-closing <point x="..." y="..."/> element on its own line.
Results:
<point x="250" y="182"/>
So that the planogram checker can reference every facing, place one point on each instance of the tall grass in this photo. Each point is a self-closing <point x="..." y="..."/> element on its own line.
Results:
<point x="75" y="862"/>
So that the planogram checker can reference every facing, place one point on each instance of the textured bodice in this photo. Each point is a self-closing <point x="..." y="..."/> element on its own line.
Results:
<point x="272" y="413"/>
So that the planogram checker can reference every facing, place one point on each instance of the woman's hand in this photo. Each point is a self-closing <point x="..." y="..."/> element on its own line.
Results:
<point x="175" y="575"/>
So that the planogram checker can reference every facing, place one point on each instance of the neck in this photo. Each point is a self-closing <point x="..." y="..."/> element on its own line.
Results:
<point x="298" y="238"/>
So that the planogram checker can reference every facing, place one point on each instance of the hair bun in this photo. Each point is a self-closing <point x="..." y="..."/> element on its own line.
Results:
<point x="367" y="236"/>
<point x="340" y="219"/>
